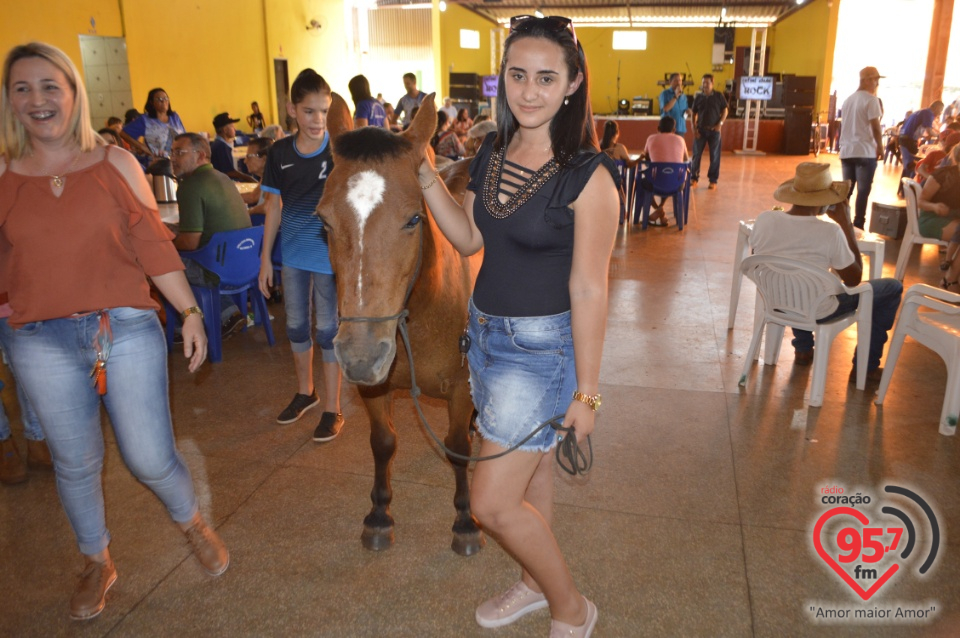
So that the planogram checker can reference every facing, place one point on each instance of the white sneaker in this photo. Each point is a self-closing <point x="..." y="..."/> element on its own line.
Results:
<point x="516" y="602"/>
<point x="563" y="630"/>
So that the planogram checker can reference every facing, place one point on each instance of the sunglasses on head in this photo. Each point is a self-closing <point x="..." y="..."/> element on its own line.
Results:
<point x="260" y="154"/>
<point x="556" y="24"/>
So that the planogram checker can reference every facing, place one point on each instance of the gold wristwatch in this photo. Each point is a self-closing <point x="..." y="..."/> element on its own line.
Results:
<point x="592" y="401"/>
<point x="192" y="310"/>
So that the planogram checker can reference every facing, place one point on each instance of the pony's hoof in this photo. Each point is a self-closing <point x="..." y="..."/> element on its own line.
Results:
<point x="377" y="539"/>
<point x="468" y="544"/>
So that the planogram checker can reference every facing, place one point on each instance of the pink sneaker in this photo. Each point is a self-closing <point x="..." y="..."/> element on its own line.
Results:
<point x="563" y="630"/>
<point x="516" y="602"/>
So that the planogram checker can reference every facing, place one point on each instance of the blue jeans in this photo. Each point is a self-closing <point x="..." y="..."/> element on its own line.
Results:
<point x="31" y="424"/>
<point x="886" y="300"/>
<point x="522" y="373"/>
<point x="298" y="300"/>
<point x="711" y="138"/>
<point x="859" y="170"/>
<point x="54" y="359"/>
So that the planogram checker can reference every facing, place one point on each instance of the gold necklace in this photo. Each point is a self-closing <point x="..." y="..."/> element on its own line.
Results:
<point x="58" y="180"/>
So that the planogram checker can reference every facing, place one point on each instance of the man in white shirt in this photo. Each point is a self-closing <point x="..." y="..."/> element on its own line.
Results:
<point x="861" y="139"/>
<point x="799" y="234"/>
<point x="449" y="108"/>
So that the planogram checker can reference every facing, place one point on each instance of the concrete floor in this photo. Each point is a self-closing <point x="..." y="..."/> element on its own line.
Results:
<point x="696" y="520"/>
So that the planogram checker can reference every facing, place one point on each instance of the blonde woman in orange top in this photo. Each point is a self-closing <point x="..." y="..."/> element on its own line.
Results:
<point x="82" y="234"/>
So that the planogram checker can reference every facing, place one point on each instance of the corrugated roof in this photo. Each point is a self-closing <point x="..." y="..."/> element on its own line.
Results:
<point x="637" y="13"/>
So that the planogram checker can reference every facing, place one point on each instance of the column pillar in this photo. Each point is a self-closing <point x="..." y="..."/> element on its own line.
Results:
<point x="937" y="52"/>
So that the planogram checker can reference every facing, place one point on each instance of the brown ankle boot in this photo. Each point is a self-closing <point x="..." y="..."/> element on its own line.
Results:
<point x="38" y="455"/>
<point x="12" y="468"/>
<point x="208" y="548"/>
<point x="89" y="599"/>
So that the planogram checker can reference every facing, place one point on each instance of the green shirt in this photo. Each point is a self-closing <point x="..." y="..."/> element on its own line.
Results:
<point x="210" y="203"/>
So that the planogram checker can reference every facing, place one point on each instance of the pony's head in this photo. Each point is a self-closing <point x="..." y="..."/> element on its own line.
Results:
<point x="373" y="210"/>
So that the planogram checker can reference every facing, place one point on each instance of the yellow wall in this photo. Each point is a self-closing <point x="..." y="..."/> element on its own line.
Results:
<point x="325" y="51"/>
<point x="803" y="44"/>
<point x="58" y="22"/>
<point x="453" y="59"/>
<point x="682" y="50"/>
<point x="208" y="56"/>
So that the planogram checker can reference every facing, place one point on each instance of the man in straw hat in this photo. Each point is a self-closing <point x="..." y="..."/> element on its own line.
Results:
<point x="800" y="234"/>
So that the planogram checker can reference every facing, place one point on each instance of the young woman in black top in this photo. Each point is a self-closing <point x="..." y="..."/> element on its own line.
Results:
<point x="546" y="219"/>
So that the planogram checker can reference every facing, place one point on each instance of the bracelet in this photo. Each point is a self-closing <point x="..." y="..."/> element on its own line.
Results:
<point x="436" y="174"/>
<point x="192" y="310"/>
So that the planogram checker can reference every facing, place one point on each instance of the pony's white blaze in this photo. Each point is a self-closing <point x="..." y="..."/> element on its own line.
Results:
<point x="364" y="194"/>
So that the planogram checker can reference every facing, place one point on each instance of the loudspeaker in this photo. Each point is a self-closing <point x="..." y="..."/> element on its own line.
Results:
<point x="465" y="93"/>
<point x="724" y="35"/>
<point x="796" y="132"/>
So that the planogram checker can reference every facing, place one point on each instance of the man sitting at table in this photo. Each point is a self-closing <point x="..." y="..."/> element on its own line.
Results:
<point x="665" y="146"/>
<point x="799" y="234"/>
<point x="209" y="203"/>
<point x="222" y="148"/>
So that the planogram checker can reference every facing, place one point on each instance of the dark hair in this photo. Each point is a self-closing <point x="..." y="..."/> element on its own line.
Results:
<point x="571" y="129"/>
<point x="359" y="89"/>
<point x="707" y="76"/>
<point x="410" y="76"/>
<point x="259" y="144"/>
<point x="114" y="120"/>
<point x="610" y="130"/>
<point x="254" y="103"/>
<point x="442" y="119"/>
<point x="197" y="141"/>
<point x="148" y="107"/>
<point x="130" y="116"/>
<point x="307" y="82"/>
<point x="110" y="132"/>
<point x="667" y="124"/>
<point x="465" y="113"/>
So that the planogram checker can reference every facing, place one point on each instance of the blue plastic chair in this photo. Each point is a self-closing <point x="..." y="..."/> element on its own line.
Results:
<point x="234" y="256"/>
<point x="665" y="179"/>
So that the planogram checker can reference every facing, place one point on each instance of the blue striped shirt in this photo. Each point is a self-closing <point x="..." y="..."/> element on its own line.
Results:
<point x="299" y="180"/>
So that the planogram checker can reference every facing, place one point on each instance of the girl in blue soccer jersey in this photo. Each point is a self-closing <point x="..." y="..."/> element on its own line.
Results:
<point x="293" y="181"/>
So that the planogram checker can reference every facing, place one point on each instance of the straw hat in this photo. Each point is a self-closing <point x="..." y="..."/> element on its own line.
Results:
<point x="812" y="186"/>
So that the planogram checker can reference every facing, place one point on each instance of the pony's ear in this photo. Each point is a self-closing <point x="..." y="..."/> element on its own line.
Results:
<point x="338" y="117"/>
<point x="424" y="124"/>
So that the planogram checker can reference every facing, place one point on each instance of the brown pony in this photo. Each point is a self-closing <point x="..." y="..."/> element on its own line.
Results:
<point x="389" y="255"/>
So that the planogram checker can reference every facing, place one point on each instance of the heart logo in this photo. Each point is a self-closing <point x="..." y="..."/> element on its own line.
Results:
<point x="829" y="560"/>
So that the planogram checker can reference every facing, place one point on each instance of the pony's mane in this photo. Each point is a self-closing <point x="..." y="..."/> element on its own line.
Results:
<point x="371" y="143"/>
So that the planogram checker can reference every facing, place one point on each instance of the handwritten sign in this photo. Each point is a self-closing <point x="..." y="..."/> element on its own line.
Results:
<point x="756" y="87"/>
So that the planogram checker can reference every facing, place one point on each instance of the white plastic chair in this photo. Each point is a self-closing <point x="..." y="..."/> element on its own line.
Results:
<point x="789" y="292"/>
<point x="939" y="330"/>
<point x="911" y="235"/>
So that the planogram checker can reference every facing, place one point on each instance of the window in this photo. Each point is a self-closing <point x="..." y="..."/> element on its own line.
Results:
<point x="630" y="40"/>
<point x="469" y="39"/>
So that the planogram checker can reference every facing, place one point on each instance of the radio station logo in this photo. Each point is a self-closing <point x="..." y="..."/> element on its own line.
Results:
<point x="868" y="542"/>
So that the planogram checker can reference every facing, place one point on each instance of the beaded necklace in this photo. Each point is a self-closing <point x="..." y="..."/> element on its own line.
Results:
<point x="491" y="186"/>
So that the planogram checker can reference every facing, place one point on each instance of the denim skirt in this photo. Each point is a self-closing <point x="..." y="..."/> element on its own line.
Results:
<point x="522" y="373"/>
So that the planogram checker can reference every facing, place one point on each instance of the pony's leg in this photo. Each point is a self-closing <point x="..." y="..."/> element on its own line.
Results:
<point x="467" y="537"/>
<point x="378" y="524"/>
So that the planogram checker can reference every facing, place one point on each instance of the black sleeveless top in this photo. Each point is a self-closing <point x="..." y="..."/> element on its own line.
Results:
<point x="528" y="253"/>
